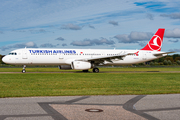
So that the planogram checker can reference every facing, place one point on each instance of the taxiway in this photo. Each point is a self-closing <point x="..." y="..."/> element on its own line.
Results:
<point x="126" y="107"/>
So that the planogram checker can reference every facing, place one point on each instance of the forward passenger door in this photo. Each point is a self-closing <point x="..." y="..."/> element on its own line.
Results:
<point x="24" y="54"/>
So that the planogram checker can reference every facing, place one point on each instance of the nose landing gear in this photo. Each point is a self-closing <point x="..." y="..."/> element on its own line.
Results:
<point x="24" y="69"/>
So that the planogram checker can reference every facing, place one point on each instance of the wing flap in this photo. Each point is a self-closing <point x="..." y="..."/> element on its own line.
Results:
<point x="105" y="58"/>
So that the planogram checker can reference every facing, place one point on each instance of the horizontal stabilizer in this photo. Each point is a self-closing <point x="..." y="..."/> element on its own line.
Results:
<point x="162" y="54"/>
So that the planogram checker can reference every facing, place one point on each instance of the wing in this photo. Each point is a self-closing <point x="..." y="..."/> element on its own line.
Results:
<point x="100" y="60"/>
<point x="162" y="53"/>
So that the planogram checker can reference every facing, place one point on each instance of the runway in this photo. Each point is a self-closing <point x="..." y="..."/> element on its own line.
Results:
<point x="126" y="107"/>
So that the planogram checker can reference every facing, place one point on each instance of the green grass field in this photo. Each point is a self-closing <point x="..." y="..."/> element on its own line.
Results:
<point x="65" y="84"/>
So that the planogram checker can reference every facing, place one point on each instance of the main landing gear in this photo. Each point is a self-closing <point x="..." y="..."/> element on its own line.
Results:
<point x="96" y="70"/>
<point x="24" y="69"/>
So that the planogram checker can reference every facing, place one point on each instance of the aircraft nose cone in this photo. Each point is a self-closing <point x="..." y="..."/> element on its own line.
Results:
<point x="4" y="59"/>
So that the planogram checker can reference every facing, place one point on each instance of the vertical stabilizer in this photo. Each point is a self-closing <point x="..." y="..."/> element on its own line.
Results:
<point x="156" y="41"/>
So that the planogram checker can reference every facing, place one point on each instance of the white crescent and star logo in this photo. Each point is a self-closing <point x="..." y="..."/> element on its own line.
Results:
<point x="155" y="43"/>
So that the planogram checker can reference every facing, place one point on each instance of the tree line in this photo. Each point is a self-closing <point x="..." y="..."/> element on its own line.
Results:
<point x="1" y="56"/>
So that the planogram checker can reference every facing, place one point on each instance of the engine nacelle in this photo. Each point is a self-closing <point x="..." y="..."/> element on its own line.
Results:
<point x="65" y="67"/>
<point x="81" y="65"/>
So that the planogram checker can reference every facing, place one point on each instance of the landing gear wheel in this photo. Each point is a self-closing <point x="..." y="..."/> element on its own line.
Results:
<point x="23" y="71"/>
<point x="96" y="70"/>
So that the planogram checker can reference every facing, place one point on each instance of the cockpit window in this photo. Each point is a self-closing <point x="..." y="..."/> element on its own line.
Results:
<point x="13" y="53"/>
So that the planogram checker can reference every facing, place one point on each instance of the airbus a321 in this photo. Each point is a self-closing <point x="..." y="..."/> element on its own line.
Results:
<point x="85" y="59"/>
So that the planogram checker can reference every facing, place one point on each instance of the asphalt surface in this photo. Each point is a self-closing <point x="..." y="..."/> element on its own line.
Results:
<point x="124" y="107"/>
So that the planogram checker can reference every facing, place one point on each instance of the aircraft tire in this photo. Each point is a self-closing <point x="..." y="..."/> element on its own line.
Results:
<point x="23" y="71"/>
<point x="96" y="70"/>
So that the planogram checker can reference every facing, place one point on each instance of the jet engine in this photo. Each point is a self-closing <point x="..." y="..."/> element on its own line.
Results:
<point x="81" y="65"/>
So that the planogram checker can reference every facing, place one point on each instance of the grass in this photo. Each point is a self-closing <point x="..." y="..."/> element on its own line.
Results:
<point x="65" y="84"/>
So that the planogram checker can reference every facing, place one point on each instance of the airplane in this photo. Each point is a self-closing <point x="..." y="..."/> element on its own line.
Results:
<point x="85" y="59"/>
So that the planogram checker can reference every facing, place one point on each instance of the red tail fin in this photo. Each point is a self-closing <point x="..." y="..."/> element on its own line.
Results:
<point x="156" y="41"/>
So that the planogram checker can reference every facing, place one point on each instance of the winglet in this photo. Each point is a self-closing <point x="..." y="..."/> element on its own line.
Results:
<point x="156" y="41"/>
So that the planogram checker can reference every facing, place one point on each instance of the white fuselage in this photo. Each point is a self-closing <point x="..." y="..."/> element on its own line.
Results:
<point x="42" y="56"/>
